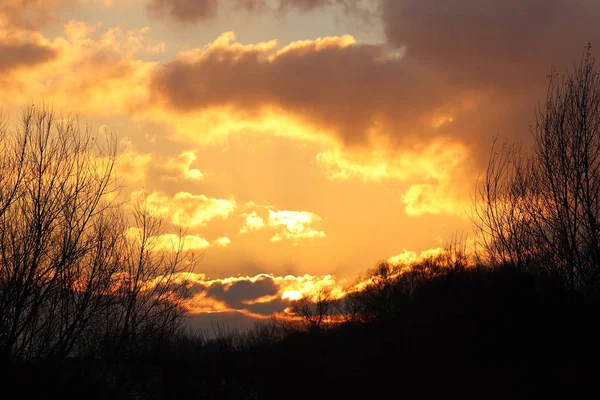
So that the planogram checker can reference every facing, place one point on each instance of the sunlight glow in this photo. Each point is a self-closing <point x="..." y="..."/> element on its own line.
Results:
<point x="292" y="295"/>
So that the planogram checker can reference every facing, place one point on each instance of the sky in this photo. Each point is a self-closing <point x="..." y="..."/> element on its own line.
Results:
<point x="298" y="142"/>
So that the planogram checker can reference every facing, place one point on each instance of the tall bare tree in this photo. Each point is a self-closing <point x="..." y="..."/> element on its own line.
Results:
<point x="538" y="209"/>
<point x="63" y="247"/>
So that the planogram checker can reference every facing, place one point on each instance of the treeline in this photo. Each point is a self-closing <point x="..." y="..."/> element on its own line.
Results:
<point x="421" y="330"/>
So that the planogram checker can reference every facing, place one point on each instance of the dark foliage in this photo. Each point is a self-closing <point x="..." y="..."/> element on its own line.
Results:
<point x="480" y="331"/>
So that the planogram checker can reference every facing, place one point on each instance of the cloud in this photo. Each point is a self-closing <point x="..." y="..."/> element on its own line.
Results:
<point x="198" y="210"/>
<point x="332" y="85"/>
<point x="253" y="223"/>
<point x="33" y="15"/>
<point x="131" y="165"/>
<point x="184" y="10"/>
<point x="256" y="296"/>
<point x="449" y="197"/>
<point x="110" y="80"/>
<point x="28" y="14"/>
<point x="23" y="55"/>
<point x="411" y="257"/>
<point x="235" y="293"/>
<point x="500" y="51"/>
<point x="187" y="209"/>
<point x="180" y="167"/>
<point x="222" y="241"/>
<point x="499" y="43"/>
<point x="434" y="160"/>
<point x="193" y="11"/>
<point x="439" y="173"/>
<point x="264" y="295"/>
<point x="331" y="91"/>
<point x="294" y="225"/>
<point x="454" y="74"/>
<point x="284" y="225"/>
<point x="352" y="7"/>
<point x="169" y="241"/>
<point x="466" y="71"/>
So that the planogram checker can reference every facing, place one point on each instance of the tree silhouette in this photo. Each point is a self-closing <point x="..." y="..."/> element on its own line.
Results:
<point x="314" y="312"/>
<point x="70" y="278"/>
<point x="538" y="209"/>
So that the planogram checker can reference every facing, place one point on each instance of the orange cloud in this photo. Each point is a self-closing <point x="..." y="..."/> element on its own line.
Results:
<point x="294" y="225"/>
<point x="303" y="80"/>
<point x="450" y="197"/>
<point x="253" y="222"/>
<point x="198" y="210"/>
<point x="23" y="54"/>
<point x="109" y="79"/>
<point x="444" y="165"/>
<point x="435" y="160"/>
<point x="411" y="257"/>
<point x="131" y="165"/>
<point x="170" y="242"/>
<point x="258" y="296"/>
<point x="193" y="11"/>
<point x="222" y="241"/>
<point x="28" y="14"/>
<point x="181" y="167"/>
<point x="186" y="209"/>
<point x="367" y="127"/>
<point x="263" y="295"/>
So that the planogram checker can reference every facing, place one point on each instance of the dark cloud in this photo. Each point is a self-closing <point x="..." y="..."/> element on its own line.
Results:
<point x="15" y="55"/>
<point x="483" y="63"/>
<point x="184" y="10"/>
<point x="30" y="14"/>
<point x="269" y="308"/>
<point x="250" y="6"/>
<point x="234" y="294"/>
<point x="501" y="51"/>
<point x="305" y="5"/>
<point x="346" y="90"/>
<point x="189" y="11"/>
<point x="479" y="42"/>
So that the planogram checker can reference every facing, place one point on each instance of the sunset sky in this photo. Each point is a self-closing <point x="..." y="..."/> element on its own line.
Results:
<point x="300" y="142"/>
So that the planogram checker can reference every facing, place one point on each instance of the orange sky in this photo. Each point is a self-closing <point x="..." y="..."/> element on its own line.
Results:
<point x="298" y="141"/>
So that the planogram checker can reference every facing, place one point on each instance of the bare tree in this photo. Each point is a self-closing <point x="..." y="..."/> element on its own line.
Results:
<point x="63" y="244"/>
<point x="539" y="209"/>
<point x="150" y="286"/>
<point x="316" y="312"/>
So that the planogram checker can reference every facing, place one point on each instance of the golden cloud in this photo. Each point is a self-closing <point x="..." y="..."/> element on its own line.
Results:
<point x="258" y="296"/>
<point x="435" y="160"/>
<point x="131" y="165"/>
<point x="262" y="295"/>
<point x="411" y="257"/>
<point x="301" y="81"/>
<point x="222" y="241"/>
<point x="109" y="79"/>
<point x="253" y="223"/>
<point x="193" y="11"/>
<point x="444" y="164"/>
<point x="170" y="241"/>
<point x="294" y="225"/>
<point x="186" y="209"/>
<point x="197" y="210"/>
<point x="180" y="167"/>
